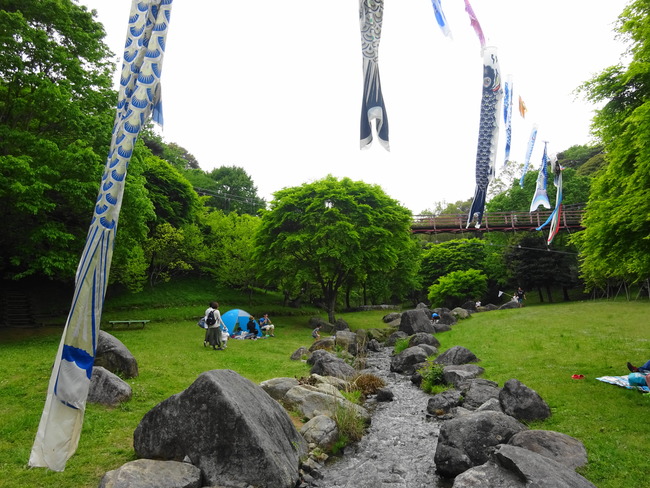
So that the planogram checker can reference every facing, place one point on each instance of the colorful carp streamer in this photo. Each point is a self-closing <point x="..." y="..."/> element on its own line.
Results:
<point x="475" y="23"/>
<point x="507" y="116"/>
<point x="554" y="218"/>
<point x="373" y="111"/>
<point x="529" y="153"/>
<point x="522" y="107"/>
<point x="488" y="135"/>
<point x="541" y="196"/>
<point x="60" y="426"/>
<point x="440" y="17"/>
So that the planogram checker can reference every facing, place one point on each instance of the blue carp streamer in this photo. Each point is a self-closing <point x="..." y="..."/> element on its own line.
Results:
<point x="440" y="17"/>
<point x="541" y="196"/>
<point x="488" y="136"/>
<point x="373" y="110"/>
<point x="554" y="218"/>
<point x="139" y="95"/>
<point x="507" y="116"/>
<point x="529" y="153"/>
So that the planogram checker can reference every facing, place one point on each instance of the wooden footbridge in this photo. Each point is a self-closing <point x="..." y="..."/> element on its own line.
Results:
<point x="570" y="219"/>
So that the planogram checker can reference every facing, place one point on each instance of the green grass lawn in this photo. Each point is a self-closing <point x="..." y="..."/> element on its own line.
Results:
<point x="542" y="346"/>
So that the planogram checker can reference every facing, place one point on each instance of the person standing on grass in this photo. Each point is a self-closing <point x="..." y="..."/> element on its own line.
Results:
<point x="215" y="324"/>
<point x="521" y="296"/>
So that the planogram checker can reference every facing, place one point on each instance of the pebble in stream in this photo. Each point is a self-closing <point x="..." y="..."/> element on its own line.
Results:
<point x="397" y="450"/>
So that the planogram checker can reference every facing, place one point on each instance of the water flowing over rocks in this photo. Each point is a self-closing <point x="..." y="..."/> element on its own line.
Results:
<point x="398" y="449"/>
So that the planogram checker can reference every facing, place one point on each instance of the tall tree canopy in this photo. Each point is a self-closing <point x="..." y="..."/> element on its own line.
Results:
<point x="616" y="242"/>
<point x="55" y="121"/>
<point x="330" y="231"/>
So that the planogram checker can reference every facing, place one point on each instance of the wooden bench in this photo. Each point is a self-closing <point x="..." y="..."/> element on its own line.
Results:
<point x="127" y="323"/>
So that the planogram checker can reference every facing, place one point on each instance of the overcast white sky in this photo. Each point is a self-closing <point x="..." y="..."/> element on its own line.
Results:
<point x="275" y="86"/>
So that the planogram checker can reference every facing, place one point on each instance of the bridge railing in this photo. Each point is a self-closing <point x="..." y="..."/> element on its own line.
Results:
<point x="570" y="218"/>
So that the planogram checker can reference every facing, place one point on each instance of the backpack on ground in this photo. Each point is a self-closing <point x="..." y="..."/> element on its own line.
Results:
<point x="211" y="320"/>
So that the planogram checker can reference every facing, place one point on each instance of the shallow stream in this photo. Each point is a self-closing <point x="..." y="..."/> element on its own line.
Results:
<point x="398" y="448"/>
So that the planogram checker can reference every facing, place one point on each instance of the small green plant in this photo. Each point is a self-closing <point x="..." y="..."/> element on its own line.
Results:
<point x="350" y="424"/>
<point x="340" y="443"/>
<point x="431" y="376"/>
<point x="353" y="396"/>
<point x="401" y="344"/>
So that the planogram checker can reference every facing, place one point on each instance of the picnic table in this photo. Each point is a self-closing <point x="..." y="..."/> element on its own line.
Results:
<point x="128" y="323"/>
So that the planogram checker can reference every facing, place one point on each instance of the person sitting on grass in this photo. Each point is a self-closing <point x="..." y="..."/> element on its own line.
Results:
<point x="252" y="328"/>
<point x="267" y="326"/>
<point x="641" y="369"/>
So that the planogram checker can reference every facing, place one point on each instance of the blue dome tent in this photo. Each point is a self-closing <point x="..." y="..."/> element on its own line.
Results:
<point x="237" y="316"/>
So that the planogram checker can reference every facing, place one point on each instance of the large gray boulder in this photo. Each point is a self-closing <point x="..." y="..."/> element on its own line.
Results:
<point x="562" y="448"/>
<point x="470" y="440"/>
<point x="456" y="355"/>
<point x="479" y="392"/>
<point x="330" y="365"/>
<point x="488" y="475"/>
<point x="407" y="361"/>
<point x="423" y="338"/>
<point x="299" y="353"/>
<point x="457" y="374"/>
<point x="395" y="336"/>
<point x="228" y="427"/>
<point x="522" y="402"/>
<point x="347" y="341"/>
<point x="443" y="403"/>
<point x="388" y="318"/>
<point x="107" y="388"/>
<point x="314" y="400"/>
<point x="509" y="305"/>
<point x="323" y="343"/>
<point x="460" y="313"/>
<point x="278" y="387"/>
<point x="321" y="430"/>
<point x="146" y="473"/>
<point x="113" y="355"/>
<point x="537" y="470"/>
<point x="417" y="320"/>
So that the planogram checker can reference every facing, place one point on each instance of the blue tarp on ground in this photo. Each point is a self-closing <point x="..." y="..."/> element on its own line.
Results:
<point x="238" y="316"/>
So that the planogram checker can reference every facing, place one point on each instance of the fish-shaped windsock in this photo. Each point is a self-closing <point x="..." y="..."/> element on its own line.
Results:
<point x="373" y="111"/>
<point x="529" y="153"/>
<point x="139" y="95"/>
<point x="554" y="218"/>
<point x="476" y="25"/>
<point x="507" y="116"/>
<point x="440" y="17"/>
<point x="541" y="196"/>
<point x="488" y="135"/>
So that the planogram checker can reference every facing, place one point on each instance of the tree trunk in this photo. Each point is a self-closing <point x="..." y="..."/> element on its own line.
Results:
<point x="330" y="303"/>
<point x="549" y="294"/>
<point x="565" y="294"/>
<point x="541" y="295"/>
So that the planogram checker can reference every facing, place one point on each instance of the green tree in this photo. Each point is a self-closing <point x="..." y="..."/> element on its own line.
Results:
<point x="55" y="122"/>
<point x="330" y="231"/>
<point x="615" y="244"/>
<point x="231" y="244"/>
<point x="534" y="266"/>
<point x="173" y="197"/>
<point x="232" y="190"/>
<point x="457" y="287"/>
